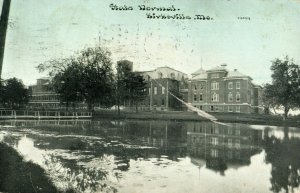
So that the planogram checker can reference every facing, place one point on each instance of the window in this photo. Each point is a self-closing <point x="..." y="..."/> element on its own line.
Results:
<point x="214" y="86"/>
<point x="214" y="141"/>
<point x="155" y="90"/>
<point x="229" y="131"/>
<point x="201" y="86"/>
<point x="195" y="97"/>
<point x="230" y="97"/>
<point x="215" y="97"/>
<point x="238" y="97"/>
<point x="201" y="97"/>
<point x="237" y="132"/>
<point x="162" y="90"/>
<point x="163" y="102"/>
<point x="216" y="130"/>
<point x="215" y="75"/>
<point x="230" y="109"/>
<point x="172" y="75"/>
<point x="201" y="107"/>
<point x="195" y="87"/>
<point x="216" y="108"/>
<point x="214" y="153"/>
<point x="160" y="75"/>
<point x="238" y="109"/>
<point x="230" y="85"/>
<point x="237" y="143"/>
<point x="229" y="142"/>
<point x="211" y="108"/>
<point x="238" y="85"/>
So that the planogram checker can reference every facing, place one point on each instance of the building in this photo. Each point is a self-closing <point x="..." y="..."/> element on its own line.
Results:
<point x="159" y="82"/>
<point x="221" y="146"/>
<point x="42" y="96"/>
<point x="220" y="90"/>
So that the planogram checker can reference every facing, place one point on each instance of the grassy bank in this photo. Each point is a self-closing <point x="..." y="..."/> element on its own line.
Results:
<point x="191" y="116"/>
<point x="19" y="176"/>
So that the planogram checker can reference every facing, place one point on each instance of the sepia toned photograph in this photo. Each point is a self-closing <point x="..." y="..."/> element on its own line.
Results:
<point x="149" y="96"/>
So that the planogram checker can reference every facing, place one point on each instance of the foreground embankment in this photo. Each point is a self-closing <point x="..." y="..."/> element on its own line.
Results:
<point x="20" y="176"/>
<point x="191" y="116"/>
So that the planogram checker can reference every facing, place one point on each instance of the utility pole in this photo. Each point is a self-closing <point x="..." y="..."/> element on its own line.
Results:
<point x="3" y="29"/>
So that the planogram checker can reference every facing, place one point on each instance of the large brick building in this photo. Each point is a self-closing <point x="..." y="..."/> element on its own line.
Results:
<point x="161" y="80"/>
<point x="221" y="90"/>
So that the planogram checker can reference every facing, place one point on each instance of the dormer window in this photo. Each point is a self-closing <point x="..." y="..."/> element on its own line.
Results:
<point x="160" y="75"/>
<point x="172" y="75"/>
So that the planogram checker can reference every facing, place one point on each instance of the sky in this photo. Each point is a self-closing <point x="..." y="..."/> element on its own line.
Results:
<point x="41" y="30"/>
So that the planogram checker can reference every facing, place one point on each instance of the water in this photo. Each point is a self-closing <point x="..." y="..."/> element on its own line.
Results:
<point x="160" y="156"/>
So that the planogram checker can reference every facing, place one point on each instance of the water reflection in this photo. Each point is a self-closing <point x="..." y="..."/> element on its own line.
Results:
<point x="143" y="156"/>
<point x="284" y="156"/>
<point x="222" y="146"/>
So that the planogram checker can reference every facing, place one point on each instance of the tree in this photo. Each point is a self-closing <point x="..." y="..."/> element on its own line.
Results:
<point x="68" y="85"/>
<point x="131" y="86"/>
<point x="86" y="77"/>
<point x="98" y="78"/>
<point x="284" y="156"/>
<point x="284" y="91"/>
<point x="13" y="93"/>
<point x="136" y="87"/>
<point x="124" y="68"/>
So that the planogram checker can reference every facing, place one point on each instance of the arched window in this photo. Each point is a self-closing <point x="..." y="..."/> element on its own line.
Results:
<point x="230" y="97"/>
<point x="160" y="75"/>
<point x="238" y="97"/>
<point x="172" y="75"/>
<point x="215" y="97"/>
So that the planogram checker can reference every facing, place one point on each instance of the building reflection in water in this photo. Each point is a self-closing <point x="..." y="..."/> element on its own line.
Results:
<point x="94" y="155"/>
<point x="222" y="146"/>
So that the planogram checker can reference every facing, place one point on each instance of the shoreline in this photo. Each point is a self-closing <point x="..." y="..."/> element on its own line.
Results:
<point x="19" y="175"/>
<point x="275" y="120"/>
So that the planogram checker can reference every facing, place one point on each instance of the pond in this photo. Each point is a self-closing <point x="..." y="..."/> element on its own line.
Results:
<point x="160" y="156"/>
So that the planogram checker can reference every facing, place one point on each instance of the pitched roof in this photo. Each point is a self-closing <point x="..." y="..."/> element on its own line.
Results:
<point x="200" y="71"/>
<point x="236" y="74"/>
<point x="218" y="68"/>
<point x="200" y="76"/>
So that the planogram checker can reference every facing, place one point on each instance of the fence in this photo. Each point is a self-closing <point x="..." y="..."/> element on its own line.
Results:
<point x="14" y="114"/>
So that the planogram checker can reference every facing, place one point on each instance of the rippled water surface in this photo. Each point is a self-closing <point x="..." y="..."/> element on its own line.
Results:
<point x="160" y="156"/>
